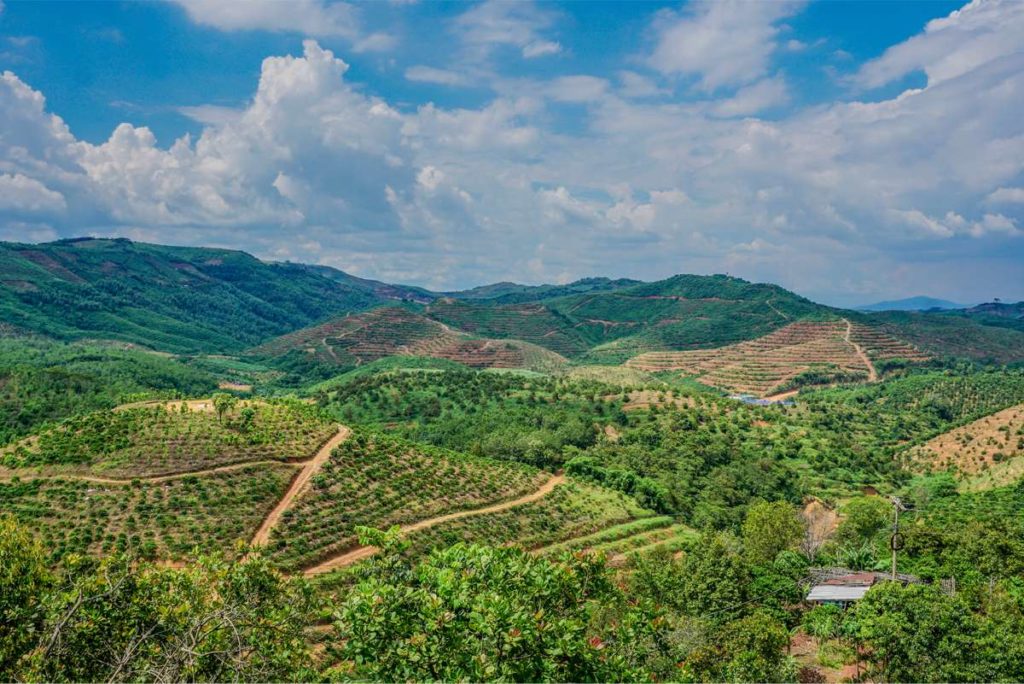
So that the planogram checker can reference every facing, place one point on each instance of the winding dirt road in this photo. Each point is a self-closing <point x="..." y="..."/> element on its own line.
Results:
<point x="309" y="469"/>
<point x="349" y="557"/>
<point x="872" y="373"/>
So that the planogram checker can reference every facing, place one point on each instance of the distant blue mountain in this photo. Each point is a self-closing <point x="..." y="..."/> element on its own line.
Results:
<point x="912" y="304"/>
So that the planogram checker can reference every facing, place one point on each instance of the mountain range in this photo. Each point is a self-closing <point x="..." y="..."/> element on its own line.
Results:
<point x="189" y="300"/>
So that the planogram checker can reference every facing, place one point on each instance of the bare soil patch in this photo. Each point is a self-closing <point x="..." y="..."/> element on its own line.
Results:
<point x="986" y="451"/>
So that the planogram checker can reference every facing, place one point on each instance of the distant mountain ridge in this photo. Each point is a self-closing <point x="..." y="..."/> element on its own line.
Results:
<point x="920" y="303"/>
<point x="189" y="300"/>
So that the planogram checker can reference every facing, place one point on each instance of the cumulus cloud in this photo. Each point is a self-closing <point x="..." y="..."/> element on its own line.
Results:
<point x="1006" y="196"/>
<point x="311" y="17"/>
<point x="578" y="88"/>
<point x="316" y="18"/>
<point x="19" y="193"/>
<point x="723" y="43"/>
<point x="856" y="194"/>
<point x="980" y="32"/>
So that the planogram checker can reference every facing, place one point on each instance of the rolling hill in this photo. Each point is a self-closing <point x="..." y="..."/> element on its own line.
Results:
<point x="186" y="300"/>
<point x="178" y="299"/>
<point x="396" y="331"/>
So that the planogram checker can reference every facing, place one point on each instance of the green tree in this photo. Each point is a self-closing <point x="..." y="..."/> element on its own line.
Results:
<point x="479" y="613"/>
<point x="863" y="518"/>
<point x="222" y="403"/>
<point x="120" y="620"/>
<point x="24" y="580"/>
<point x="715" y="579"/>
<point x="915" y="633"/>
<point x="770" y="528"/>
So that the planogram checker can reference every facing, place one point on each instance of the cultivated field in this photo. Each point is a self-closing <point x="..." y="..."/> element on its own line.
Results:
<point x="173" y="437"/>
<point x="381" y="481"/>
<point x="573" y="509"/>
<point x="533" y="323"/>
<point x="167" y="519"/>
<point x="806" y="352"/>
<point x="394" y="331"/>
<point x="986" y="452"/>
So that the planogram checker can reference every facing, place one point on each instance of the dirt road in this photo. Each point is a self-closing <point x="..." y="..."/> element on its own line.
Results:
<point x="353" y="555"/>
<point x="309" y="469"/>
<point x="872" y="373"/>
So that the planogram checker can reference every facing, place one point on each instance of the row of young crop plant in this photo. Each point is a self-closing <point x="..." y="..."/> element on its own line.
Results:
<point x="609" y="534"/>
<point x="572" y="509"/>
<point x="155" y="440"/>
<point x="166" y="520"/>
<point x="380" y="481"/>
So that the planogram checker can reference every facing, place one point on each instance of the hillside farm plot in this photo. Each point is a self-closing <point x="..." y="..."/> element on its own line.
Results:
<point x="880" y="346"/>
<point x="638" y="536"/>
<point x="175" y="437"/>
<point x="811" y="351"/>
<point x="985" y="453"/>
<point x="395" y="331"/>
<point x="534" y="323"/>
<point x="169" y="518"/>
<point x="380" y="481"/>
<point x="572" y="509"/>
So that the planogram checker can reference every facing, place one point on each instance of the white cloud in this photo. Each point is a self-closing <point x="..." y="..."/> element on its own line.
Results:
<point x="765" y="94"/>
<point x="311" y="17"/>
<point x="427" y="74"/>
<point x="722" y="43"/>
<point x="1006" y="196"/>
<point x="495" y="23"/>
<point x="211" y="115"/>
<point x="864" y="195"/>
<point x="317" y="18"/>
<point x="577" y="88"/>
<point x="980" y="32"/>
<point x="541" y="48"/>
<point x="634" y="85"/>
<point x="20" y="194"/>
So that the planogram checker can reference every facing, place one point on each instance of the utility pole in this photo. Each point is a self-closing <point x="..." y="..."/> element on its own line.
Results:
<point x="896" y="540"/>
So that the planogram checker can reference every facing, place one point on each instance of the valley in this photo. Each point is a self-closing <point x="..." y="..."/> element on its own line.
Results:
<point x="348" y="439"/>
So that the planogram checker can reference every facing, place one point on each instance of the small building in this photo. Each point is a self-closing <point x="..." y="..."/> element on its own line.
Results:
<point x="842" y="590"/>
<point x="841" y="587"/>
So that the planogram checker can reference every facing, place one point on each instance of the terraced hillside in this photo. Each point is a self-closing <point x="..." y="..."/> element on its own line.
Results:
<point x="573" y="509"/>
<point x="682" y="312"/>
<point x="166" y="519"/>
<point x="806" y="351"/>
<point x="382" y="481"/>
<point x="534" y="323"/>
<point x="985" y="453"/>
<point x="955" y="334"/>
<point x="163" y="438"/>
<point x="619" y="542"/>
<point x="395" y="331"/>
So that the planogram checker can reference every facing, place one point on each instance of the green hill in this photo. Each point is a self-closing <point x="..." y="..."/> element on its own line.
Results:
<point x="178" y="299"/>
<point x="514" y="293"/>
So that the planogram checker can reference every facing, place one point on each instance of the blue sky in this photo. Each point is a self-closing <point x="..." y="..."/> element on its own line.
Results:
<point x="849" y="150"/>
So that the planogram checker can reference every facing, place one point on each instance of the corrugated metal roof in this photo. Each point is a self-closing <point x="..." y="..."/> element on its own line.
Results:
<point x="825" y="592"/>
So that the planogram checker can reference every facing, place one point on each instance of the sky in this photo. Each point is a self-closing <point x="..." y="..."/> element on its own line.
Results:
<point x="849" y="151"/>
